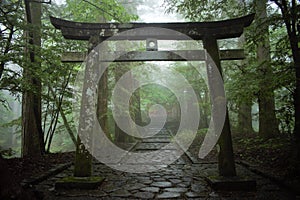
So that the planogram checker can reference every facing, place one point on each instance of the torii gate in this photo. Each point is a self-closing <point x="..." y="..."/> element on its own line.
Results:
<point x="208" y="32"/>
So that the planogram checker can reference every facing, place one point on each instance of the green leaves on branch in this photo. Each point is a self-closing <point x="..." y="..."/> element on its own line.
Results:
<point x="96" y="11"/>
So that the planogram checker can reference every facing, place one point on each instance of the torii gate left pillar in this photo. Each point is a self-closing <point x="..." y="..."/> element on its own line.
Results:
<point x="83" y="178"/>
<point x="83" y="158"/>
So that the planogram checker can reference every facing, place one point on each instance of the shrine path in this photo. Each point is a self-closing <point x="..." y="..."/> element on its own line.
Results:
<point x="184" y="179"/>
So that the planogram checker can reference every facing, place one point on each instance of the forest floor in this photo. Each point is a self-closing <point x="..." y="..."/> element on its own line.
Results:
<point x="269" y="156"/>
<point x="25" y="168"/>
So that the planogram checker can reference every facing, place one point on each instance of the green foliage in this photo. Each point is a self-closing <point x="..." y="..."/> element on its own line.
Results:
<point x="95" y="11"/>
<point x="53" y="74"/>
<point x="10" y="129"/>
<point x="156" y="94"/>
<point x="202" y="131"/>
<point x="208" y="10"/>
<point x="11" y="45"/>
<point x="61" y="76"/>
<point x="242" y="79"/>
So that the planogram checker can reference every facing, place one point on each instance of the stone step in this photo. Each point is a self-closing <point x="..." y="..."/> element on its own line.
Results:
<point x="152" y="146"/>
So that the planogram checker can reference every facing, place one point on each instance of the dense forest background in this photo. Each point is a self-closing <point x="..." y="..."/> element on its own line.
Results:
<point x="36" y="88"/>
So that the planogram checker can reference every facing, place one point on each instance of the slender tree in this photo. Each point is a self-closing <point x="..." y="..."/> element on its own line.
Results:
<point x="268" y="126"/>
<point x="32" y="134"/>
<point x="244" y="104"/>
<point x="290" y="10"/>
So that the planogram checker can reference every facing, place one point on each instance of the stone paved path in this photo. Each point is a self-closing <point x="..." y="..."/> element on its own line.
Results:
<point x="184" y="179"/>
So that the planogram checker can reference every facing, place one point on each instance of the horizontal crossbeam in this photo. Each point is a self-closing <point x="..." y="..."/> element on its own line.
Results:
<point x="194" y="30"/>
<point x="140" y="56"/>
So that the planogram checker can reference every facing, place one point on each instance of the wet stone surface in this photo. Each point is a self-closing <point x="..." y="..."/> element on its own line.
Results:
<point x="183" y="179"/>
<point x="162" y="184"/>
<point x="151" y="189"/>
<point x="168" y="195"/>
<point x="120" y="193"/>
<point x="144" y="195"/>
<point x="176" y="189"/>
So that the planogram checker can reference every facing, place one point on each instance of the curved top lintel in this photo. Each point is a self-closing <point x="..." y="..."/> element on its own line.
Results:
<point x="196" y="30"/>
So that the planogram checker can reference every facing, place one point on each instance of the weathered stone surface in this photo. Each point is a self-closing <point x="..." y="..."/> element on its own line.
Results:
<point x="143" y="177"/>
<point x="120" y="193"/>
<point x="195" y="195"/>
<point x="150" y="146"/>
<point x="109" y="187"/>
<point x="147" y="182"/>
<point x="144" y="195"/>
<point x="213" y="194"/>
<point x="187" y="179"/>
<point x="183" y="184"/>
<point x="160" y="140"/>
<point x="175" y="181"/>
<point x="168" y="195"/>
<point x="136" y="186"/>
<point x="220" y="30"/>
<point x="176" y="189"/>
<point x="159" y="179"/>
<point x="150" y="189"/>
<point x="175" y="55"/>
<point x="197" y="187"/>
<point x="164" y="184"/>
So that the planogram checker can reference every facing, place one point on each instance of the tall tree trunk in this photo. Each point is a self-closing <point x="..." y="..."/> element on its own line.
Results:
<point x="290" y="16"/>
<point x="268" y="124"/>
<point x="294" y="43"/>
<point x="137" y="107"/>
<point x="32" y="134"/>
<point x="204" y="109"/>
<point x="245" y="103"/>
<point x="120" y="135"/>
<point x="245" y="117"/>
<point x="296" y="144"/>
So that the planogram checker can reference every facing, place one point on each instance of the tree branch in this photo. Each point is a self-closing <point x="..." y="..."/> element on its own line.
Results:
<point x="294" y="16"/>
<point x="6" y="49"/>
<point x="115" y="17"/>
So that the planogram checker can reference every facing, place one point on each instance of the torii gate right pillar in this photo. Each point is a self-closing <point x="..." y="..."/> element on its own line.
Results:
<point x="226" y="164"/>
